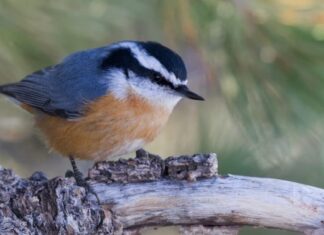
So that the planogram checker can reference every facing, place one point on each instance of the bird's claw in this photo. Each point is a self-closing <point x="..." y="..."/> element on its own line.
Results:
<point x="142" y="153"/>
<point x="80" y="181"/>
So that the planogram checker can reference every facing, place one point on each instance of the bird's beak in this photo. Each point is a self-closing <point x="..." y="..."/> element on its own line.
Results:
<point x="184" y="91"/>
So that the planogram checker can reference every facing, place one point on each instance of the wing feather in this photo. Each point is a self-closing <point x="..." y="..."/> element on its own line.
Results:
<point x="63" y="89"/>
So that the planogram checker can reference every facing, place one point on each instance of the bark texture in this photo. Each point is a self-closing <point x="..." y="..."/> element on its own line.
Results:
<point x="149" y="191"/>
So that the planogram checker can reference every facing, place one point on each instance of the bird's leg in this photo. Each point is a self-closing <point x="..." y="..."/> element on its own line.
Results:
<point x="80" y="181"/>
<point x="78" y="176"/>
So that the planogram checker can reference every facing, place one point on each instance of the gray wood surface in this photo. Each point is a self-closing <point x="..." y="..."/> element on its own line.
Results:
<point x="149" y="191"/>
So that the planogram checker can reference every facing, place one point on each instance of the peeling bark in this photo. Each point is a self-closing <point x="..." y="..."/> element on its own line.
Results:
<point x="149" y="191"/>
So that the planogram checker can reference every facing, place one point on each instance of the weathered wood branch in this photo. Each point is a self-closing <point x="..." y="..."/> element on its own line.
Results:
<point x="149" y="191"/>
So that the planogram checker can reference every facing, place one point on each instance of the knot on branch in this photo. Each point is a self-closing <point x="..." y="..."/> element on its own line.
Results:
<point x="191" y="168"/>
<point x="150" y="167"/>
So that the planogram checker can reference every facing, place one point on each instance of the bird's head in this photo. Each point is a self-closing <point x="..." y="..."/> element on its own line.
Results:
<point x="150" y="69"/>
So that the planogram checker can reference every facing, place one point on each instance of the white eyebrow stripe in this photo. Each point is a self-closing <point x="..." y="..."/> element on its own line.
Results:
<point x="151" y="62"/>
<point x="172" y="78"/>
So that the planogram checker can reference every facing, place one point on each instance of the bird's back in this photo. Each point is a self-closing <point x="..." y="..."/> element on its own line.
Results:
<point x="62" y="89"/>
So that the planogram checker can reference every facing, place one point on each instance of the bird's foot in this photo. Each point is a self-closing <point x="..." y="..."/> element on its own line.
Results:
<point x="142" y="153"/>
<point x="80" y="180"/>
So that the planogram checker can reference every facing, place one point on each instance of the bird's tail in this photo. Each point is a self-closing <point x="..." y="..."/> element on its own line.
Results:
<point x="4" y="89"/>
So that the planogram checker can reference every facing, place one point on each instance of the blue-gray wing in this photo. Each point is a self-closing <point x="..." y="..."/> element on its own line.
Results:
<point x="61" y="90"/>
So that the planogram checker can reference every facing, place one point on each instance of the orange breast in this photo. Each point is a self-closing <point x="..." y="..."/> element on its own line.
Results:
<point x="110" y="127"/>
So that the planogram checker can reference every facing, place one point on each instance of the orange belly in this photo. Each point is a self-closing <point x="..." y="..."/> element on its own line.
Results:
<point x="110" y="127"/>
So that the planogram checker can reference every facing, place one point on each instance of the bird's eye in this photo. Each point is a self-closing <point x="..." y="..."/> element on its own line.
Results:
<point x="160" y="80"/>
<point x="157" y="76"/>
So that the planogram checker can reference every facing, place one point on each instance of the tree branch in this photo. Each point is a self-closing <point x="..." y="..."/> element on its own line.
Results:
<point x="149" y="191"/>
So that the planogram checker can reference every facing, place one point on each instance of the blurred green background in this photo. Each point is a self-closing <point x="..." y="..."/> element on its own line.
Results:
<point x="259" y="64"/>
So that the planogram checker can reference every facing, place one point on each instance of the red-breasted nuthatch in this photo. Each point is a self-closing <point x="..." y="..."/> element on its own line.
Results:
<point x="104" y="102"/>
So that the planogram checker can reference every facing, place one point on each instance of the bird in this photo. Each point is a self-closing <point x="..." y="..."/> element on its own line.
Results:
<point x="104" y="102"/>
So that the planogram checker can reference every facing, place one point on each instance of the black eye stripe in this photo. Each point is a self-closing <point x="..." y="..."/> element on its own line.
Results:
<point x="157" y="78"/>
<point x="124" y="59"/>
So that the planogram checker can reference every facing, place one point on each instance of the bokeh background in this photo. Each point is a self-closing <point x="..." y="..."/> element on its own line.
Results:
<point x="259" y="64"/>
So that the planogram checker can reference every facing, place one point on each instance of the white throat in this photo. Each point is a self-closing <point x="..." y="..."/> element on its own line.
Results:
<point x="121" y="88"/>
<point x="157" y="97"/>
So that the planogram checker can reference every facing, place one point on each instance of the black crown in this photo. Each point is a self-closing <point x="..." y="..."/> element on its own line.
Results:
<point x="122" y="57"/>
